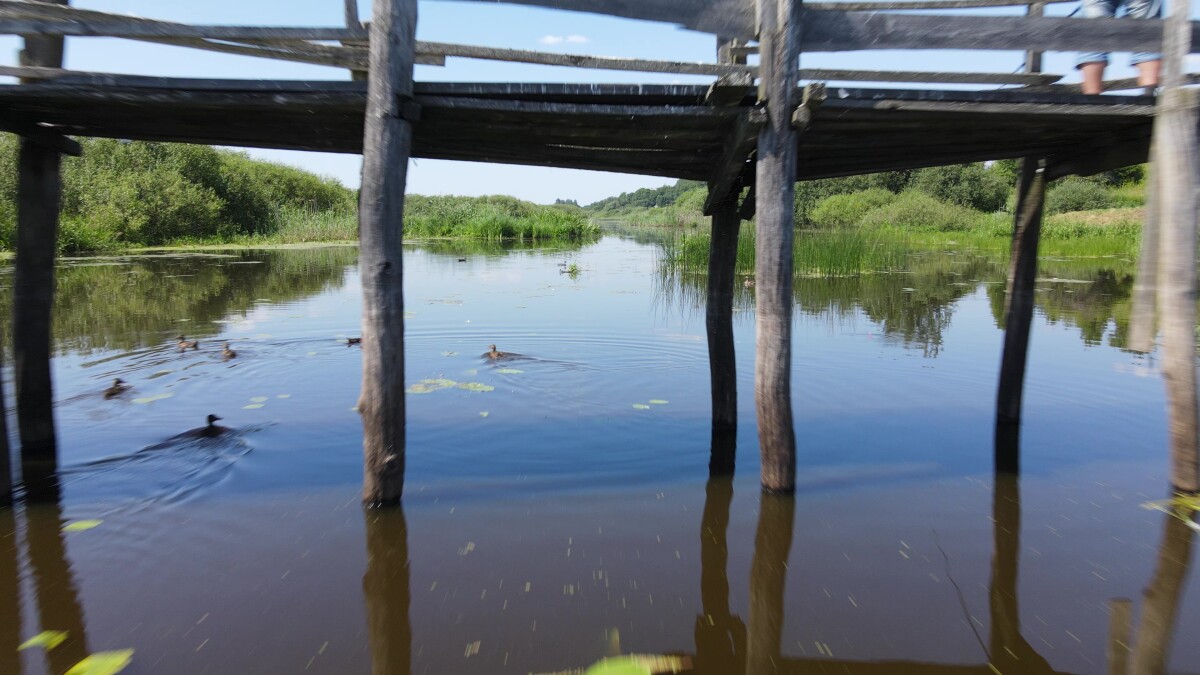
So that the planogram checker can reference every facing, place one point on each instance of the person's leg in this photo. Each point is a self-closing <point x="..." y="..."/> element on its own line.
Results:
<point x="1092" y="64"/>
<point x="1147" y="62"/>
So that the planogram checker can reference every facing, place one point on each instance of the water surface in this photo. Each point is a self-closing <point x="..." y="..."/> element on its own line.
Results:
<point x="565" y="513"/>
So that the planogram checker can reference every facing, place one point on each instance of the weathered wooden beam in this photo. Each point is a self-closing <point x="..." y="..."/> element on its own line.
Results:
<point x="775" y="178"/>
<point x="1018" y="308"/>
<point x="1033" y="57"/>
<point x="127" y="29"/>
<point x="1014" y="108"/>
<point x="387" y="145"/>
<point x="722" y="360"/>
<point x="923" y="4"/>
<point x="827" y="74"/>
<point x="39" y="188"/>
<point x="582" y="60"/>
<point x="44" y="136"/>
<point x="351" y="11"/>
<point x="732" y="18"/>
<point x="748" y="206"/>
<point x="1119" y="85"/>
<point x="1101" y="154"/>
<point x="729" y="169"/>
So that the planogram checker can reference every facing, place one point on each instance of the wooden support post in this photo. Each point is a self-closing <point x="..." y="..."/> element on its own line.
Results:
<point x="768" y="579"/>
<point x="775" y="184"/>
<point x="353" y="22"/>
<point x="1018" y="310"/>
<point x="387" y="144"/>
<point x="1120" y="625"/>
<point x="1033" y="59"/>
<point x="1160" y="599"/>
<point x="39" y="188"/>
<point x="386" y="592"/>
<point x="722" y="256"/>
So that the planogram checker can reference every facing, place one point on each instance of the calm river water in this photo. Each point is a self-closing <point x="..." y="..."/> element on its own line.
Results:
<point x="558" y="507"/>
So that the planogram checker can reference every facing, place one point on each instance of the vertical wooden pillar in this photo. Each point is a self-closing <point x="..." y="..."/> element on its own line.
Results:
<point x="386" y="592"/>
<point x="1033" y="59"/>
<point x="39" y="189"/>
<point x="768" y="578"/>
<point x="387" y="144"/>
<point x="775" y="185"/>
<point x="722" y="257"/>
<point x="1160" y="599"/>
<point x="1018" y="310"/>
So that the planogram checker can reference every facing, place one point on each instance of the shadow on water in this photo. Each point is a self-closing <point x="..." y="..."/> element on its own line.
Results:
<point x="386" y="592"/>
<point x="1160" y="600"/>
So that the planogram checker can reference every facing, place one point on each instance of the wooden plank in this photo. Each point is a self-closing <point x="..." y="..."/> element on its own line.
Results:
<point x="1101" y="154"/>
<point x="956" y="107"/>
<point x="1033" y="57"/>
<point x="1018" y="309"/>
<point x="128" y="29"/>
<point x="722" y="360"/>
<point x="929" y="77"/>
<point x="923" y="5"/>
<point x="444" y="49"/>
<point x="775" y="176"/>
<point x="43" y="136"/>
<point x="351" y="11"/>
<point x="1178" y="184"/>
<point x="581" y="109"/>
<point x="729" y="169"/>
<point x="387" y="144"/>
<point x="730" y="18"/>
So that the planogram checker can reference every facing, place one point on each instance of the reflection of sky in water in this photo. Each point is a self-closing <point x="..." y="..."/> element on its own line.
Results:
<point x="565" y="486"/>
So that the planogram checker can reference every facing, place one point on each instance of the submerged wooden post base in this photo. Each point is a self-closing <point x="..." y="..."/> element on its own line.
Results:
<point x="775" y="185"/>
<point x="722" y="257"/>
<point x="1018" y="311"/>
<point x="387" y="144"/>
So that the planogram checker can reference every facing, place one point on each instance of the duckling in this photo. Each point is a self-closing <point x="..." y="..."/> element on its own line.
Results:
<point x="118" y="387"/>
<point x="495" y="355"/>
<point x="185" y="344"/>
<point x="228" y="353"/>
<point x="749" y="283"/>
<point x="210" y="430"/>
<point x="353" y="341"/>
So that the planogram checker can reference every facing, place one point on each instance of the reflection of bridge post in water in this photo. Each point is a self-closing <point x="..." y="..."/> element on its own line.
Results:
<point x="768" y="576"/>
<point x="720" y="636"/>
<point x="54" y="585"/>
<point x="1007" y="648"/>
<point x="386" y="591"/>
<point x="1160" y="600"/>
<point x="6" y="477"/>
<point x="10" y="592"/>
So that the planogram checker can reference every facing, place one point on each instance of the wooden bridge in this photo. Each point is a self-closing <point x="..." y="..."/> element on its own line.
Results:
<point x="750" y="134"/>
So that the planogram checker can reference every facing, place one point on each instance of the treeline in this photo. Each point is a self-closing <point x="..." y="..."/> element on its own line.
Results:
<point x="949" y="195"/>
<point x="122" y="194"/>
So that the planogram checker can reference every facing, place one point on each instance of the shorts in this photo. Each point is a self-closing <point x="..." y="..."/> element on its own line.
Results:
<point x="1135" y="9"/>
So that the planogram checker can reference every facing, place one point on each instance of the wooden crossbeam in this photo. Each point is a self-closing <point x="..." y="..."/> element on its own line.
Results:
<point x="1097" y="156"/>
<point x="43" y="136"/>
<point x="740" y="142"/>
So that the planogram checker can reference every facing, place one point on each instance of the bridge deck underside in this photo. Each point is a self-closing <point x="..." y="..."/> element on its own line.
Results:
<point x="664" y="130"/>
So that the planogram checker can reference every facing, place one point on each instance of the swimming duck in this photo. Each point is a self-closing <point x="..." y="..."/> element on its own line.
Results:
<point x="185" y="344"/>
<point x="749" y="283"/>
<point x="118" y="387"/>
<point x="211" y="430"/>
<point x="493" y="354"/>
<point x="353" y="341"/>
<point x="228" y="353"/>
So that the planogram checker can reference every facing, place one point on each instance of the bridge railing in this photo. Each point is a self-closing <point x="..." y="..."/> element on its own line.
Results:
<point x="824" y="27"/>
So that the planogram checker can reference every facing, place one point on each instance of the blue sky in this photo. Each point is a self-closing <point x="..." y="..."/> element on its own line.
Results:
<point x="483" y="24"/>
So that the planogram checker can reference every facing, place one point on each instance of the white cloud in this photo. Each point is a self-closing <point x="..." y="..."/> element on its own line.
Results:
<point x="559" y="39"/>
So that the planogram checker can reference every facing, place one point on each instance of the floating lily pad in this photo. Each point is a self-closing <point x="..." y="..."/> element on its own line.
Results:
<point x="658" y="401"/>
<point x="641" y="406"/>
<point x="152" y="398"/>
<point x="475" y="386"/>
<point x="638" y="664"/>
<point x="283" y="395"/>
<point x="483" y="414"/>
<point x="47" y="639"/>
<point x="510" y="371"/>
<point x="260" y="399"/>
<point x="252" y="406"/>
<point x="81" y="525"/>
<point x="103" y="663"/>
<point x="432" y="384"/>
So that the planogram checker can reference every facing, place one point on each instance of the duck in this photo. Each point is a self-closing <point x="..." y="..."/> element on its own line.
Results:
<point x="495" y="355"/>
<point x="118" y="387"/>
<point x="185" y="344"/>
<point x="353" y="341"/>
<point x="210" y="430"/>
<point x="749" y="283"/>
<point x="228" y="353"/>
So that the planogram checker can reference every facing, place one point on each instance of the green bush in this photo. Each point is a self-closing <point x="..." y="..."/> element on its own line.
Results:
<point x="1077" y="194"/>
<point x="918" y="211"/>
<point x="969" y="185"/>
<point x="810" y="193"/>
<point x="846" y="210"/>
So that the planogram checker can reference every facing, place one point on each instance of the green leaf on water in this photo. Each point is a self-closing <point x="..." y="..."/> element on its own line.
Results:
<point x="103" y="663"/>
<point x="431" y="384"/>
<point x="641" y="406"/>
<point x="258" y="399"/>
<point x="252" y="406"/>
<point x="510" y="371"/>
<point x="47" y="639"/>
<point x="638" y="664"/>
<point x="152" y="398"/>
<point x="283" y="395"/>
<point x="475" y="386"/>
<point x="658" y="401"/>
<point x="81" y="525"/>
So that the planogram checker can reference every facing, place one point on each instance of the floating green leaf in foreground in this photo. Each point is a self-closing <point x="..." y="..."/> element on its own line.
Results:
<point x="475" y="386"/>
<point x="103" y="663"/>
<point x="658" y="401"/>
<point x="81" y="525"/>
<point x="639" y="664"/>
<point x="641" y="406"/>
<point x="431" y="384"/>
<point x="1183" y="507"/>
<point x="47" y="639"/>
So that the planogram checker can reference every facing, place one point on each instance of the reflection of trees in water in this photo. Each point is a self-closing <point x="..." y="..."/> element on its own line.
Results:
<point x="1092" y="298"/>
<point x="134" y="301"/>
<point x="452" y="249"/>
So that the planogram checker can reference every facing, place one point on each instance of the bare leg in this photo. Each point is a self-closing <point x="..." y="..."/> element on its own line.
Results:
<point x="1093" y="76"/>
<point x="1148" y="73"/>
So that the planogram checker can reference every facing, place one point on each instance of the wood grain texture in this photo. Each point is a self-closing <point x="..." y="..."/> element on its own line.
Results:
<point x="722" y="362"/>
